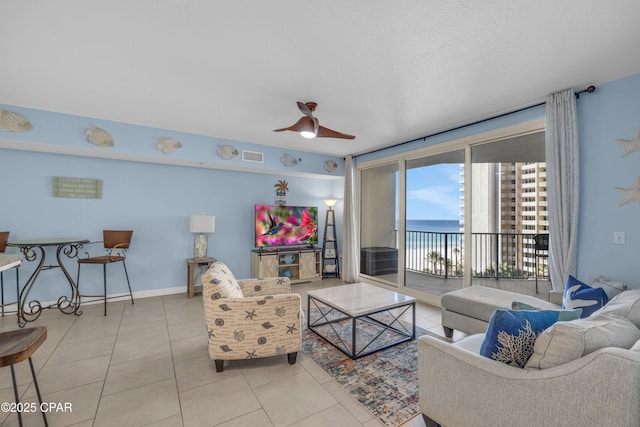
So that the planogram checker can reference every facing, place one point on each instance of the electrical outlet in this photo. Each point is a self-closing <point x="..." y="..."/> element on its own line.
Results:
<point x="619" y="237"/>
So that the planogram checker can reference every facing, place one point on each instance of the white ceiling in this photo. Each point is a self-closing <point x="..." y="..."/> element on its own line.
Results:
<point x="385" y="71"/>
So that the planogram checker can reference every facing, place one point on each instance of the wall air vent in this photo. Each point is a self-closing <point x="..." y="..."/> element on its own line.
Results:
<point x="252" y="156"/>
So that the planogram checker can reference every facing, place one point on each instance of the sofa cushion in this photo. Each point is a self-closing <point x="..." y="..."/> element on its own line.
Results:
<point x="221" y="282"/>
<point x="625" y="304"/>
<point x="472" y="343"/>
<point x="580" y="295"/>
<point x="609" y="286"/>
<point x="636" y="346"/>
<point x="511" y="334"/>
<point x="567" y="341"/>
<point x="480" y="302"/>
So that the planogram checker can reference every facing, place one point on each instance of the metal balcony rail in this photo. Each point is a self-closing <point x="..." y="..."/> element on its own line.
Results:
<point x="494" y="255"/>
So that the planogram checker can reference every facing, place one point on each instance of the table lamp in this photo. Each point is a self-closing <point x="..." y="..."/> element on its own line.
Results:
<point x="201" y="225"/>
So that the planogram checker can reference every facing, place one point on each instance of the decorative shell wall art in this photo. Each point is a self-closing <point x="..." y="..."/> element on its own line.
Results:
<point x="289" y="160"/>
<point x="330" y="166"/>
<point x="98" y="136"/>
<point x="633" y="145"/>
<point x="168" y="145"/>
<point x="14" y="122"/>
<point x="227" y="152"/>
<point x="630" y="194"/>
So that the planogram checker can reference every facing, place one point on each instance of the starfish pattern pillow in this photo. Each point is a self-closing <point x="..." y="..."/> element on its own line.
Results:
<point x="221" y="281"/>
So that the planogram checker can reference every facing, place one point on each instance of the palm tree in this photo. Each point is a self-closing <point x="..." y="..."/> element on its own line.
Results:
<point x="435" y="258"/>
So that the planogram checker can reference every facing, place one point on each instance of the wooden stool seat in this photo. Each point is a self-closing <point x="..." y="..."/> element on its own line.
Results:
<point x="116" y="242"/>
<point x="17" y="346"/>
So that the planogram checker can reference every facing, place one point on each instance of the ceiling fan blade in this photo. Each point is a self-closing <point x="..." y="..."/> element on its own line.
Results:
<point x="302" y="124"/>
<point x="304" y="109"/>
<point x="324" y="132"/>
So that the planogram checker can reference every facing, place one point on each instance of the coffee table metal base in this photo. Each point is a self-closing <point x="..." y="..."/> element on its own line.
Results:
<point x="387" y="320"/>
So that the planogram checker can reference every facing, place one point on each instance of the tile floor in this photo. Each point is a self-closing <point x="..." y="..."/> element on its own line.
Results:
<point x="147" y="365"/>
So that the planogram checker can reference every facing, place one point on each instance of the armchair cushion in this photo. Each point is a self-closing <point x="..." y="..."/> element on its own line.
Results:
<point x="511" y="334"/>
<point x="221" y="282"/>
<point x="266" y="286"/>
<point x="567" y="341"/>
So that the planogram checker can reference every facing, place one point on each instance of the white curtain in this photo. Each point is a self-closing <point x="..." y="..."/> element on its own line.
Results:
<point x="563" y="185"/>
<point x="351" y="253"/>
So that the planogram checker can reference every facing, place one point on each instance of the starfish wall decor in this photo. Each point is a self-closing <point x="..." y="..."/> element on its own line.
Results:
<point x="633" y="145"/>
<point x="630" y="194"/>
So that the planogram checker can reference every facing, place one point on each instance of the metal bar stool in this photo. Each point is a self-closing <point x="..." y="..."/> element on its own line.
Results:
<point x="16" y="346"/>
<point x="116" y="242"/>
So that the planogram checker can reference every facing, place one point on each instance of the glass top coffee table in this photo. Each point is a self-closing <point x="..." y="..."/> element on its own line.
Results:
<point x="360" y="319"/>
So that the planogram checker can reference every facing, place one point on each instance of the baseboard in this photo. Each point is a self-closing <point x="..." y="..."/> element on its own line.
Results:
<point x="115" y="297"/>
<point x="140" y="295"/>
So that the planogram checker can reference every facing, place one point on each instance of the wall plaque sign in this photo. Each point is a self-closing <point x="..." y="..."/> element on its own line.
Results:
<point x="77" y="188"/>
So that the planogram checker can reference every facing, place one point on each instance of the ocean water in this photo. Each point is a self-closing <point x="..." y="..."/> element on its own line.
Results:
<point x="420" y="245"/>
<point x="435" y="225"/>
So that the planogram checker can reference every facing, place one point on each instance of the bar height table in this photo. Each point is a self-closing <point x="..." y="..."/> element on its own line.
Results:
<point x="32" y="250"/>
<point x="7" y="262"/>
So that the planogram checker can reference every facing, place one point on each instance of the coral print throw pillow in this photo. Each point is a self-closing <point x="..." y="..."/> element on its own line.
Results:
<point x="511" y="334"/>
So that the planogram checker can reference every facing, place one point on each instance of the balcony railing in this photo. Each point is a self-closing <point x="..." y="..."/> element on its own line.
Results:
<point x="494" y="255"/>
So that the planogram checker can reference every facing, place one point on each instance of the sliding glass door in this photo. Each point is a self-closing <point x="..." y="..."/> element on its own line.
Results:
<point x="509" y="209"/>
<point x="464" y="212"/>
<point x="434" y="233"/>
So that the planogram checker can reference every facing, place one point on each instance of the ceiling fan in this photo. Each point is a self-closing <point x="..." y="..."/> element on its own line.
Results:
<point x="309" y="127"/>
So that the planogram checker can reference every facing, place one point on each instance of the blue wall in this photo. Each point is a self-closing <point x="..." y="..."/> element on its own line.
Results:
<point x="612" y="112"/>
<point x="155" y="200"/>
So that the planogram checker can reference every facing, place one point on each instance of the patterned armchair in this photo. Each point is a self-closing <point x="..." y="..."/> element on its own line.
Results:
<point x="250" y="318"/>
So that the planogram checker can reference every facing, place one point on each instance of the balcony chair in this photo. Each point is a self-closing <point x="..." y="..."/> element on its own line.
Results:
<point x="15" y="347"/>
<point x="116" y="242"/>
<point x="250" y="318"/>
<point x="541" y="250"/>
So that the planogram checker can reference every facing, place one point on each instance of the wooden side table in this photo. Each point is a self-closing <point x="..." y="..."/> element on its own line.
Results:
<point x="201" y="264"/>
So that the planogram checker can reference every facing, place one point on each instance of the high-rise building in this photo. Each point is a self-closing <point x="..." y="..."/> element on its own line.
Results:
<point x="523" y="210"/>
<point x="509" y="208"/>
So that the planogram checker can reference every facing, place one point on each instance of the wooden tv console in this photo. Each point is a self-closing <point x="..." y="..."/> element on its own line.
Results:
<point x="299" y="264"/>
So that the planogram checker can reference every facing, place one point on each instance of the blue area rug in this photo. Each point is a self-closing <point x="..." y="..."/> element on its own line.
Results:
<point x="385" y="382"/>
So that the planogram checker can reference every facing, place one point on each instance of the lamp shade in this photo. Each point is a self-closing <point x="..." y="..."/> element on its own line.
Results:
<point x="330" y="202"/>
<point x="202" y="224"/>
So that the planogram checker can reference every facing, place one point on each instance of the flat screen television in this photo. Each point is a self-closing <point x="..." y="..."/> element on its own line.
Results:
<point x="280" y="225"/>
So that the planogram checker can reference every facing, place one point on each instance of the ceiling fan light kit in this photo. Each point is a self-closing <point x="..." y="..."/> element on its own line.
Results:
<point x="309" y="127"/>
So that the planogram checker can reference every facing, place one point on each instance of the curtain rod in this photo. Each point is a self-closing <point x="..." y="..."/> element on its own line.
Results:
<point x="590" y="89"/>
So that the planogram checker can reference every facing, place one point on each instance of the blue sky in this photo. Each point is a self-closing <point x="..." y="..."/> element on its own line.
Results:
<point x="433" y="192"/>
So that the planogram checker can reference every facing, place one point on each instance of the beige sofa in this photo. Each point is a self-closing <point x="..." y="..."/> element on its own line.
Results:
<point x="459" y="387"/>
